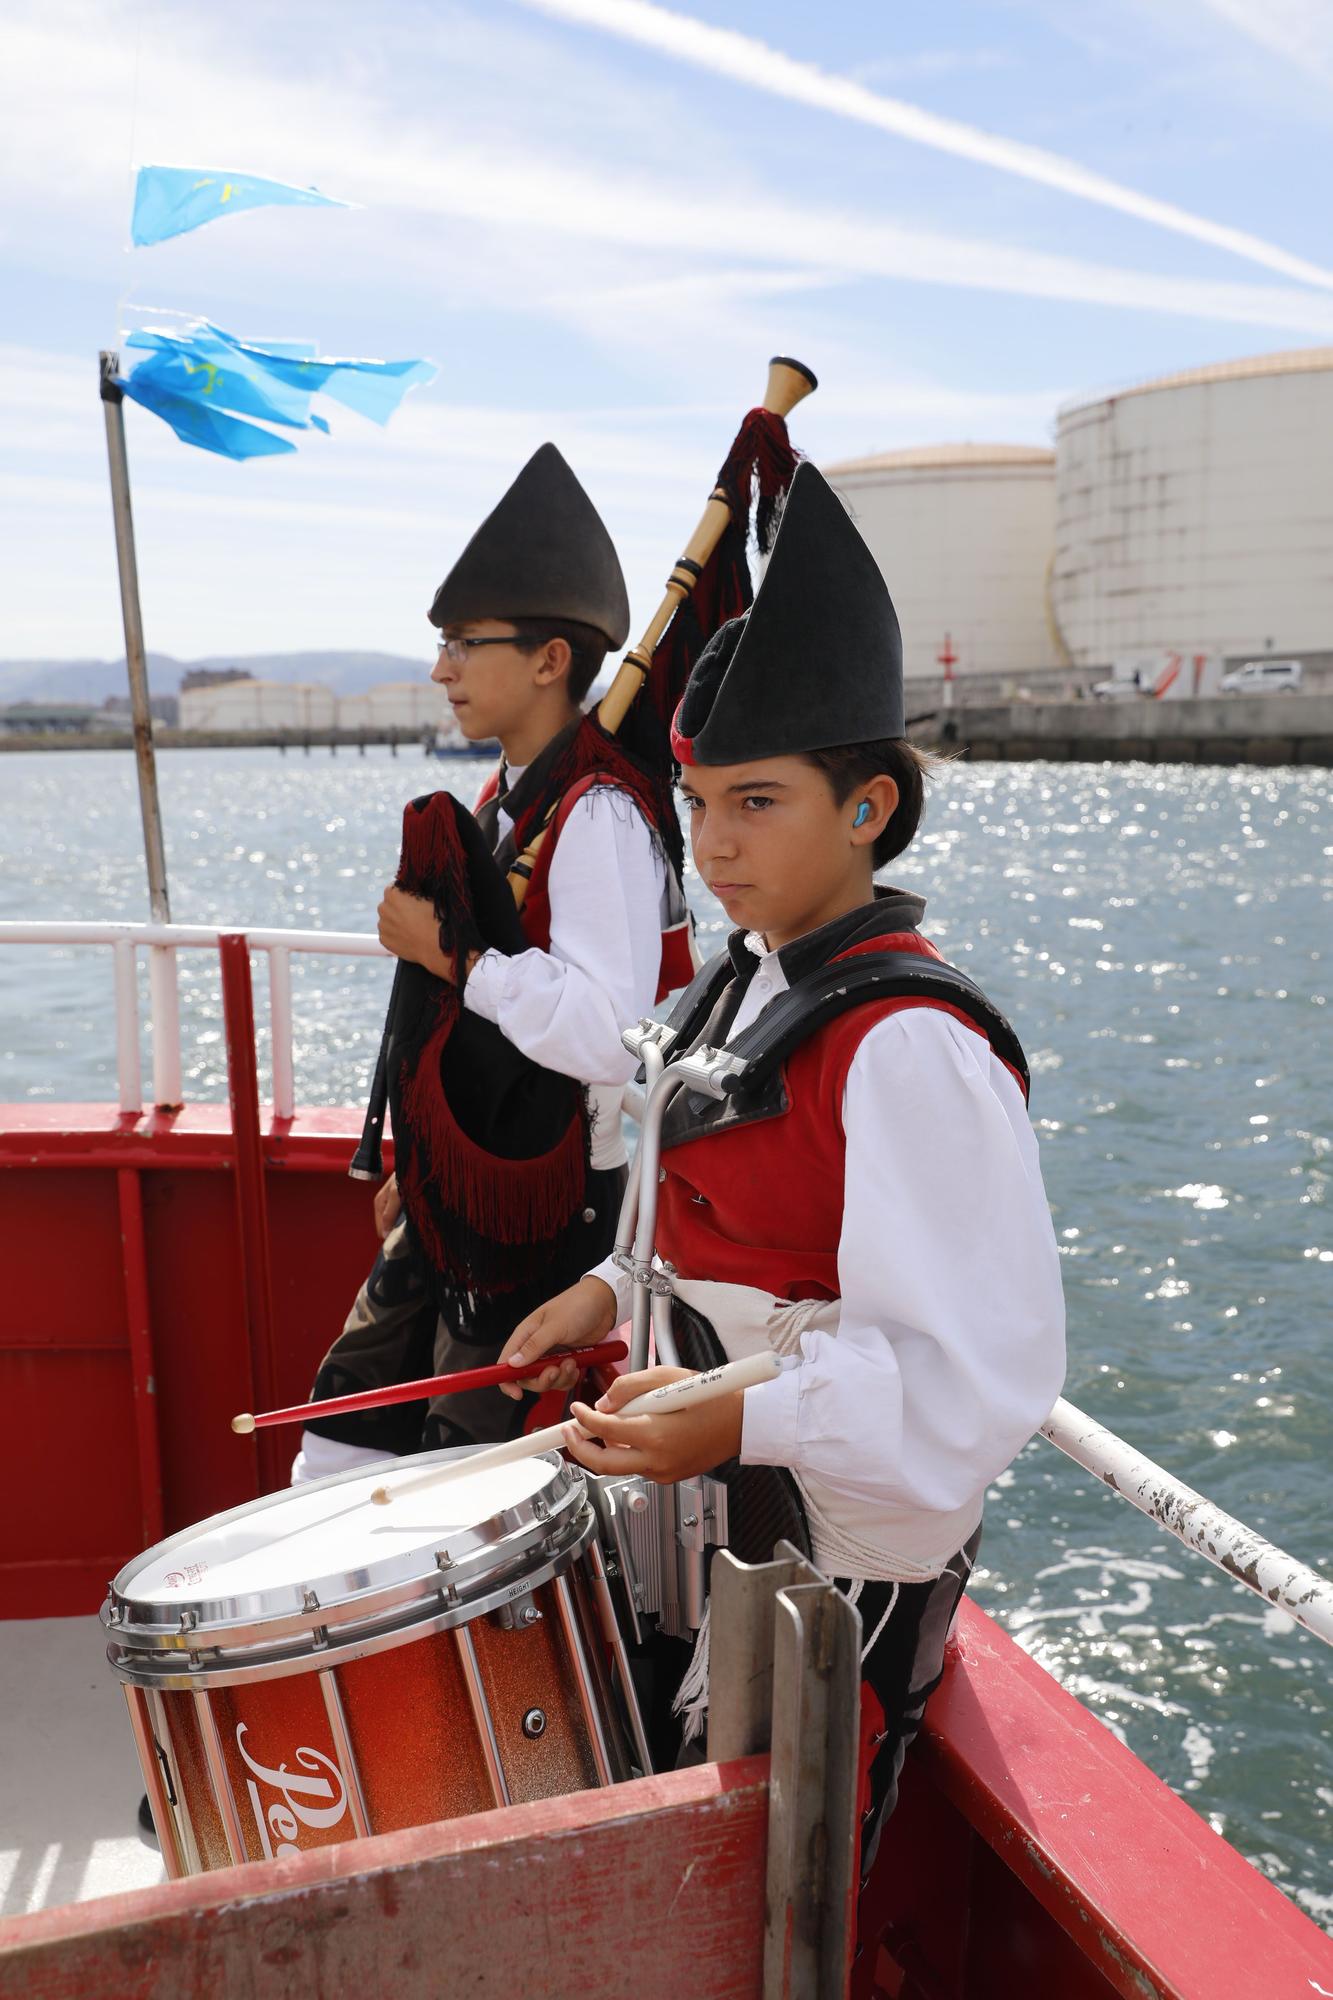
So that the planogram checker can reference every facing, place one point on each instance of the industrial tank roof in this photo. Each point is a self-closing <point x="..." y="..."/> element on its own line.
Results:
<point x="939" y="457"/>
<point x="1290" y="361"/>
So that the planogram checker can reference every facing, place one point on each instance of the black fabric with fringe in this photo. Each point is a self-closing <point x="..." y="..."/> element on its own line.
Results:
<point x="491" y="1151"/>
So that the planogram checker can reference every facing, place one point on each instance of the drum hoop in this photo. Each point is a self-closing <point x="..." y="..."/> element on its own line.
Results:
<point x="164" y="1670"/>
<point x="343" y="1597"/>
<point x="351" y="1613"/>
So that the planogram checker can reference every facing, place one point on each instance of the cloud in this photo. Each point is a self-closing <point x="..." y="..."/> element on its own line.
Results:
<point x="1299" y="30"/>
<point x="934" y="62"/>
<point x="630" y="295"/>
<point x="413" y="169"/>
<point x="748" y="61"/>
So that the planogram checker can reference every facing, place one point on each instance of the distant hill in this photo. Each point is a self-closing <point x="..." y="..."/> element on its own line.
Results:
<point x="94" y="680"/>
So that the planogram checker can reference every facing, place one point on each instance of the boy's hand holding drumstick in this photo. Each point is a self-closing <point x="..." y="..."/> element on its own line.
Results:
<point x="567" y="1320"/>
<point x="661" y="1448"/>
<point x="673" y="1396"/>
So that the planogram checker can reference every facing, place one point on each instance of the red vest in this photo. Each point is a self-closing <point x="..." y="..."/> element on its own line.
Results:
<point x="762" y="1204"/>
<point x="677" y="963"/>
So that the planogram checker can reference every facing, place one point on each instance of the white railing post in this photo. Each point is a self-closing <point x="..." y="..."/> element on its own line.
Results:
<point x="129" y="1079"/>
<point x="280" y="1024"/>
<point x="163" y="942"/>
<point x="164" y="998"/>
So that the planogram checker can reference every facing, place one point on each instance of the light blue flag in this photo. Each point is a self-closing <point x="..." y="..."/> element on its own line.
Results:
<point x="214" y="372"/>
<point x="205" y="383"/>
<point x="210" y="429"/>
<point x="373" y="389"/>
<point x="168" y="201"/>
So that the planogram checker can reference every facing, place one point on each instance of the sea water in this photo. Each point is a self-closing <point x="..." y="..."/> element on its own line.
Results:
<point x="1160" y="937"/>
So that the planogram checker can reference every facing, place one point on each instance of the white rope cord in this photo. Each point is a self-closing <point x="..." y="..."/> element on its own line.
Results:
<point x="888" y="1613"/>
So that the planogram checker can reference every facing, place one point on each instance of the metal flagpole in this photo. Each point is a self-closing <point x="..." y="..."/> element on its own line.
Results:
<point x="113" y="406"/>
<point x="163" y="993"/>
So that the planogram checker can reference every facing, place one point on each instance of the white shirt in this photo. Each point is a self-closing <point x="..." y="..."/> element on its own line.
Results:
<point x="949" y="1349"/>
<point x="565" y="1007"/>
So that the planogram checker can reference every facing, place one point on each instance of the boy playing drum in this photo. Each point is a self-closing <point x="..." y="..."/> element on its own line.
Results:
<point x="876" y="1212"/>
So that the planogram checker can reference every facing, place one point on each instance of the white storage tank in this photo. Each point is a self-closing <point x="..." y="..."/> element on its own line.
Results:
<point x="415" y="705"/>
<point x="1196" y="513"/>
<point x="963" y="534"/>
<point x="259" y="706"/>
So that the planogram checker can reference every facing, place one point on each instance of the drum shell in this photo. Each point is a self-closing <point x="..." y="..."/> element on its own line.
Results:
<point x="478" y="1693"/>
<point x="440" y="1725"/>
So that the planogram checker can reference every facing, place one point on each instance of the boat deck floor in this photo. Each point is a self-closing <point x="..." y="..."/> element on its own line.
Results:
<point x="69" y="1776"/>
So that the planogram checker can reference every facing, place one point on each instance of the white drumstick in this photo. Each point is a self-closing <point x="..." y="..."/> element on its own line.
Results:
<point x="733" y="1375"/>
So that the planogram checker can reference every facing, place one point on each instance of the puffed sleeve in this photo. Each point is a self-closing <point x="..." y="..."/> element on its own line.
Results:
<point x="565" y="1007"/>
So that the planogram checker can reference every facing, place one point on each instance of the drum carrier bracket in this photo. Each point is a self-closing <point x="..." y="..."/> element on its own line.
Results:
<point x="657" y="1540"/>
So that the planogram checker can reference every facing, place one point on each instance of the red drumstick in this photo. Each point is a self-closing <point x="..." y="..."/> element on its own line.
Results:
<point x="431" y="1385"/>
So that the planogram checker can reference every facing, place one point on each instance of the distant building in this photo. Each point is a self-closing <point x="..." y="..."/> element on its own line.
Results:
<point x="1196" y="511"/>
<point x="162" y="708"/>
<point x="207" y="677"/>
<point x="963" y="534"/>
<point x="416" y="705"/>
<point x="260" y="706"/>
<point x="54" y="718"/>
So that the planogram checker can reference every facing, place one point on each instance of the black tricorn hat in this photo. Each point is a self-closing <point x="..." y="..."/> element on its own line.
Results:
<point x="816" y="661"/>
<point x="542" y="552"/>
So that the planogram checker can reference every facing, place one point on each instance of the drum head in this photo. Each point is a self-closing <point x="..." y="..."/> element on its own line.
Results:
<point x="327" y="1555"/>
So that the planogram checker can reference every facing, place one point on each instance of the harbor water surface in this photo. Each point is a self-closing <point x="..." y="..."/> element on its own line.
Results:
<point x="1160" y="937"/>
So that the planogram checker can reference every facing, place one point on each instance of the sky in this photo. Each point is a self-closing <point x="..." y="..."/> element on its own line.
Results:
<point x="599" y="218"/>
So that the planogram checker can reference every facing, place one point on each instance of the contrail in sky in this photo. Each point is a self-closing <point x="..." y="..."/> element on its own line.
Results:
<point x="751" y="62"/>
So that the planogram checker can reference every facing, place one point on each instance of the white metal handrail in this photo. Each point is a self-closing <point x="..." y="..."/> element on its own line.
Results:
<point x="162" y="941"/>
<point x="1288" y="1585"/>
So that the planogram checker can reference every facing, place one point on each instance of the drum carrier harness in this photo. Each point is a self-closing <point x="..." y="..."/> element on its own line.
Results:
<point x="661" y="1538"/>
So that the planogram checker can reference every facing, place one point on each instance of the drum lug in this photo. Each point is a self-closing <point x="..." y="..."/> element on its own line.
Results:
<point x="517" y="1614"/>
<point x="444" y="1561"/>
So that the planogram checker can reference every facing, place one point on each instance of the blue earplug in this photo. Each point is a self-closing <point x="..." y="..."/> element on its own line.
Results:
<point x="862" y="813"/>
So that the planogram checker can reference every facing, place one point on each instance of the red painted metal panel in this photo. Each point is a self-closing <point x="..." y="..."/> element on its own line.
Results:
<point x="203" y="1356"/>
<point x="68" y="1485"/>
<point x="654" y="1889"/>
<point x="1150" y="1894"/>
<point x="71" y="1343"/>
<point x="139" y="1327"/>
<point x="60" y="1251"/>
<point x="196" y="1136"/>
<point x="944" y="1919"/>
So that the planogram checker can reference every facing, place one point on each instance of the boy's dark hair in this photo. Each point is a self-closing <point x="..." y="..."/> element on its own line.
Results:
<point x="587" y="646"/>
<point x="851" y="764"/>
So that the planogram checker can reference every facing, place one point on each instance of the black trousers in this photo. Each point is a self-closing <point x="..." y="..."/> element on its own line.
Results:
<point x="904" y="1627"/>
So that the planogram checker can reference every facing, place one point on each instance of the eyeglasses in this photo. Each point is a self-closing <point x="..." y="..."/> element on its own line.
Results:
<point x="456" y="650"/>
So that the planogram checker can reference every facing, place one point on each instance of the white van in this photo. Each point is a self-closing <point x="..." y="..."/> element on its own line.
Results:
<point x="1263" y="677"/>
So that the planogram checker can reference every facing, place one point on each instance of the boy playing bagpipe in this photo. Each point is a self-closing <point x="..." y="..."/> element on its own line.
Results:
<point x="872" y="1207"/>
<point x="506" y="1065"/>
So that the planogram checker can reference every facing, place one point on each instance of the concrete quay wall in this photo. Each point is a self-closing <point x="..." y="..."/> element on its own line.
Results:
<point x="1242" y="729"/>
<point x="219" y="739"/>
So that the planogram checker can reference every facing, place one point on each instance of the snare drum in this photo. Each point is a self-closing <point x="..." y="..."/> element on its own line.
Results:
<point x="312" y="1666"/>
